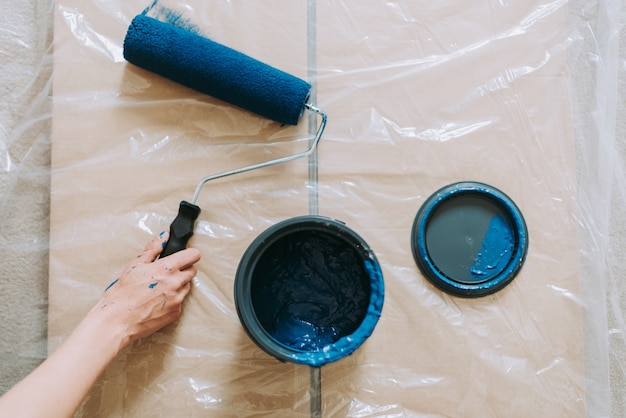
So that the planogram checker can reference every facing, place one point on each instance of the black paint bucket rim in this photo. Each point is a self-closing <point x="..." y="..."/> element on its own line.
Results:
<point x="495" y="197"/>
<point x="345" y="345"/>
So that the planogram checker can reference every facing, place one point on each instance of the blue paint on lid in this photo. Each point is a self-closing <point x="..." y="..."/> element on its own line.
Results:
<point x="496" y="250"/>
<point x="469" y="239"/>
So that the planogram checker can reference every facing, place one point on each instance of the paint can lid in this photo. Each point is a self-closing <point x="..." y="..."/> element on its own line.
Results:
<point x="469" y="239"/>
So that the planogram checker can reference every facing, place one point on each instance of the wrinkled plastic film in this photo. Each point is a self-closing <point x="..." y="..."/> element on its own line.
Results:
<point x="616" y="256"/>
<point x="25" y="117"/>
<point x="484" y="124"/>
<point x="602" y="200"/>
<point x="520" y="96"/>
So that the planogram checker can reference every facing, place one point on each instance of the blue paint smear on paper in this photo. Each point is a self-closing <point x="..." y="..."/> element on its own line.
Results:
<point x="497" y="247"/>
<point x="309" y="290"/>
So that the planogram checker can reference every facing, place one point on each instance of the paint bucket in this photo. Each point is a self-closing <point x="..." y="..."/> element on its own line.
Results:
<point x="469" y="239"/>
<point x="309" y="290"/>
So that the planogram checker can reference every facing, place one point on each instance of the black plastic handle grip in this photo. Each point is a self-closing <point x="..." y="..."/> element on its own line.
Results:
<point x="181" y="228"/>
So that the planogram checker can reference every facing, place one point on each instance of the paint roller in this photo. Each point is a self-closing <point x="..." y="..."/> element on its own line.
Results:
<point x="226" y="74"/>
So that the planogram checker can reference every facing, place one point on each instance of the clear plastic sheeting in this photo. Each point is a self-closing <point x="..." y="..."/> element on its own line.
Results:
<point x="25" y="110"/>
<point x="519" y="95"/>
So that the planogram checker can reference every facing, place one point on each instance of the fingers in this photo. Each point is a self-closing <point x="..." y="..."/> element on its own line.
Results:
<point x="166" y="310"/>
<point x="175" y="270"/>
<point x="149" y="292"/>
<point x="182" y="294"/>
<point x="181" y="260"/>
<point x="154" y="248"/>
<point x="180" y="279"/>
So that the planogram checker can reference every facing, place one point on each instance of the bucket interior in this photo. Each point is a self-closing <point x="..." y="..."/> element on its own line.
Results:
<point x="310" y="288"/>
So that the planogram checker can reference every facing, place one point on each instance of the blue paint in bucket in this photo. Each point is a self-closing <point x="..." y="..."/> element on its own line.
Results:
<point x="309" y="290"/>
<point x="469" y="239"/>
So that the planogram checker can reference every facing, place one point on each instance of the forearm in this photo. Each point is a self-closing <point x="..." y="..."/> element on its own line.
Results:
<point x="58" y="386"/>
<point x="147" y="296"/>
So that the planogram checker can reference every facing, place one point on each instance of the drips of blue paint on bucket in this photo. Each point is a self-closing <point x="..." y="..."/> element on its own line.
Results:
<point x="309" y="290"/>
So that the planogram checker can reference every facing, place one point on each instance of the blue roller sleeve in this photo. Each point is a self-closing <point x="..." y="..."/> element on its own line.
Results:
<point x="214" y="69"/>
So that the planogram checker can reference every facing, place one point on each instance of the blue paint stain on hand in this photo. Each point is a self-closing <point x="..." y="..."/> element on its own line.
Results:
<point x="496" y="251"/>
<point x="153" y="285"/>
<point x="111" y="284"/>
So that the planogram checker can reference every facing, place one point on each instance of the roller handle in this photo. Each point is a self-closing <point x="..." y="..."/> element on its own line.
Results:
<point x="181" y="229"/>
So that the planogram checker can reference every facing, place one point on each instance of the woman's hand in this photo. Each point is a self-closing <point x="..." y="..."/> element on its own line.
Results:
<point x="147" y="296"/>
<point x="149" y="293"/>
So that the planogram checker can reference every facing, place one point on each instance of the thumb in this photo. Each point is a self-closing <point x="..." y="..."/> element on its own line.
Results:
<point x="154" y="248"/>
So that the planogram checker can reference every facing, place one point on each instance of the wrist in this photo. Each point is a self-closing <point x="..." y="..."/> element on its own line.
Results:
<point x="103" y="332"/>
